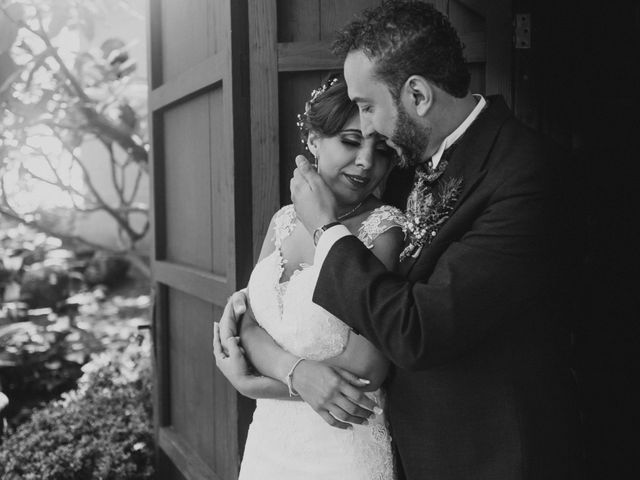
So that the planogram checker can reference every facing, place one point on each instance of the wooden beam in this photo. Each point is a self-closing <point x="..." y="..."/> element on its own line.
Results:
<point x="265" y="148"/>
<point x="203" y="285"/>
<point x="305" y="56"/>
<point x="477" y="6"/>
<point x="183" y="456"/>
<point x="204" y="75"/>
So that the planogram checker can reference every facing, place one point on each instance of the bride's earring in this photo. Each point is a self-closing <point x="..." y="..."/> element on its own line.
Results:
<point x="316" y="158"/>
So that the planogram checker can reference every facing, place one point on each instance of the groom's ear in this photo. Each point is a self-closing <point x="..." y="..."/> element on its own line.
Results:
<point x="418" y="94"/>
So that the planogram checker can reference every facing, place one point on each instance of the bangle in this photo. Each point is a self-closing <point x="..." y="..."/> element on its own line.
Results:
<point x="288" y="379"/>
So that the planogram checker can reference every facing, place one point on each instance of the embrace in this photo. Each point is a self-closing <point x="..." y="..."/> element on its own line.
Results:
<point x="403" y="319"/>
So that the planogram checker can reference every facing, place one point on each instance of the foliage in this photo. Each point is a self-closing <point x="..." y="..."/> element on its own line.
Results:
<point x="59" y="91"/>
<point x="37" y="271"/>
<point x="39" y="362"/>
<point x="102" y="431"/>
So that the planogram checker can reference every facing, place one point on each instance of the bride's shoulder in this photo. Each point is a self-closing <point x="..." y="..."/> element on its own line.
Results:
<point x="283" y="223"/>
<point x="288" y="211"/>
<point x="379" y="221"/>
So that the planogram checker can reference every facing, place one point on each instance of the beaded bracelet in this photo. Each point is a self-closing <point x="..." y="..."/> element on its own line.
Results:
<point x="288" y="378"/>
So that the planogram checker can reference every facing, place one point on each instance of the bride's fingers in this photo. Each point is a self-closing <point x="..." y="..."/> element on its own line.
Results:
<point x="217" y="346"/>
<point x="239" y="303"/>
<point x="233" y="348"/>
<point x="350" y="412"/>
<point x="358" y="397"/>
<point x="331" y="420"/>
<point x="353" y="379"/>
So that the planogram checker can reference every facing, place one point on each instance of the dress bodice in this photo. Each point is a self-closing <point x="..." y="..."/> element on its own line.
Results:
<point x="286" y="309"/>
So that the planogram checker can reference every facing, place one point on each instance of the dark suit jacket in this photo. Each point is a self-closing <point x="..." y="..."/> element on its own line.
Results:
<point x="482" y="389"/>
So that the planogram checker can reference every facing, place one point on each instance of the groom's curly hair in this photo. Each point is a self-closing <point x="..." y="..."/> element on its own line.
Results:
<point x="405" y="38"/>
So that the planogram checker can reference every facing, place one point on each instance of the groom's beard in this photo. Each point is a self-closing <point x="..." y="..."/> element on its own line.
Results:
<point x="410" y="138"/>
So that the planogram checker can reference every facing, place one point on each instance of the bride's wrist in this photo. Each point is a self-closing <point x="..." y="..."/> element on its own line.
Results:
<point x="284" y="365"/>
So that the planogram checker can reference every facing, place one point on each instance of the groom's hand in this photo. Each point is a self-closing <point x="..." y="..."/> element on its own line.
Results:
<point x="333" y="393"/>
<point x="314" y="202"/>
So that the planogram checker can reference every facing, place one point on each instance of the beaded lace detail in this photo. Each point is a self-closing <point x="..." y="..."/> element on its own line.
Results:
<point x="286" y="438"/>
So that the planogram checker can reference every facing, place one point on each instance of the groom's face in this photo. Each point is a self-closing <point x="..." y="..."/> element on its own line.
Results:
<point x="379" y="112"/>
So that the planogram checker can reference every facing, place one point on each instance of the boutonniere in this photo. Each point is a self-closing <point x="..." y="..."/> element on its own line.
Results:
<point x="426" y="214"/>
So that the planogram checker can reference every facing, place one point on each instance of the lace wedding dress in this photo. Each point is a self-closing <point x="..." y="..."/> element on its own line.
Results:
<point x="288" y="440"/>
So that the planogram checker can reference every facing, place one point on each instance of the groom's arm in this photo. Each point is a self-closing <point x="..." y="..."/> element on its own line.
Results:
<point x="492" y="273"/>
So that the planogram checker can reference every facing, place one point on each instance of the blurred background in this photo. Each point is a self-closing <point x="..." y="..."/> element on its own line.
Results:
<point x="75" y="381"/>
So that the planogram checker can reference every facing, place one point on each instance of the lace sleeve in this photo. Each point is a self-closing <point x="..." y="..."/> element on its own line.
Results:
<point x="381" y="219"/>
<point x="284" y="222"/>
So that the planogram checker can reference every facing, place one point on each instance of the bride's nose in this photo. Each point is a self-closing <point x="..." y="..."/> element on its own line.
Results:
<point x="364" y="159"/>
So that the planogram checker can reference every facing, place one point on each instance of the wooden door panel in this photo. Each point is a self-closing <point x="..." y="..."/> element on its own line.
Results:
<point x="188" y="183"/>
<point x="191" y="372"/>
<point x="196" y="188"/>
<point x="185" y="38"/>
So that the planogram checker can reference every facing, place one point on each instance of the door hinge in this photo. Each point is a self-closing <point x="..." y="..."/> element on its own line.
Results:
<point x="522" y="33"/>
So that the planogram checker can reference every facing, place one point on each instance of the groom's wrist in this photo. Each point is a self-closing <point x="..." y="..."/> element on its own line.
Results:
<point x="317" y="233"/>
<point x="326" y="242"/>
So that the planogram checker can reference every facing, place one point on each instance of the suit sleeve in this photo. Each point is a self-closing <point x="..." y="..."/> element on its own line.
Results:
<point x="495" y="270"/>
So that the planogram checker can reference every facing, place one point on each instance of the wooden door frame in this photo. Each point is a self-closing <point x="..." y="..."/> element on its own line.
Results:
<point x="229" y="66"/>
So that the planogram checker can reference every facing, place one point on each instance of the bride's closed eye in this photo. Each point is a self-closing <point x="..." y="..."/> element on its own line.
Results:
<point x="351" y="139"/>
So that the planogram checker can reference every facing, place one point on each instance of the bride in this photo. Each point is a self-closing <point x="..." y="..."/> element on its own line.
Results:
<point x="285" y="333"/>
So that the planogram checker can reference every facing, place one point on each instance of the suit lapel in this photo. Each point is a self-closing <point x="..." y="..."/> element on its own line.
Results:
<point x="469" y="158"/>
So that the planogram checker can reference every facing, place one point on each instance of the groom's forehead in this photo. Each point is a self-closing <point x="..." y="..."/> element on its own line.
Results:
<point x="358" y="73"/>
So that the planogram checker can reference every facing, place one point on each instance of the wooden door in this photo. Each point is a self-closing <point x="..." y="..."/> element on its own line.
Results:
<point x="228" y="78"/>
<point x="202" y="226"/>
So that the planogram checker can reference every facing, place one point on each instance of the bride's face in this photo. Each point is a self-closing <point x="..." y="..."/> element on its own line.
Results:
<point x="352" y="165"/>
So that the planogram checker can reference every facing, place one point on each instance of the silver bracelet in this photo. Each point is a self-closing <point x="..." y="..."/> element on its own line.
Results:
<point x="289" y="378"/>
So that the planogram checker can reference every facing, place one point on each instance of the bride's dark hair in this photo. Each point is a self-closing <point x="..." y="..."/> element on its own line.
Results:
<point x="328" y="109"/>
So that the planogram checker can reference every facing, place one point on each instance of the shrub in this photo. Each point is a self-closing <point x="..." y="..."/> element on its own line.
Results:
<point x="100" y="431"/>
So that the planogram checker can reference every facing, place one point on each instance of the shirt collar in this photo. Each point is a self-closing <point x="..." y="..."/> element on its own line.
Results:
<point x="457" y="133"/>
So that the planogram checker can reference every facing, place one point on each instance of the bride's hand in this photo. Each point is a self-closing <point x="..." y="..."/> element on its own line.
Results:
<point x="234" y="309"/>
<point x="333" y="393"/>
<point x="232" y="363"/>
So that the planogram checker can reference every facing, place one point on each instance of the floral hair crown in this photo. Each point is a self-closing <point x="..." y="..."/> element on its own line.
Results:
<point x="331" y="81"/>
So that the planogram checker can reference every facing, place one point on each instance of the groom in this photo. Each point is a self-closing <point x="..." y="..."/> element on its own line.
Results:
<point x="482" y="389"/>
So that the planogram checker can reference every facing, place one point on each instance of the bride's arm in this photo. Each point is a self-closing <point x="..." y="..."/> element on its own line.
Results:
<point x="360" y="357"/>
<point x="231" y="356"/>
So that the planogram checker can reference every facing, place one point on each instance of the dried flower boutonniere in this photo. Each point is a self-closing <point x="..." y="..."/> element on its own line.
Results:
<point x="426" y="215"/>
